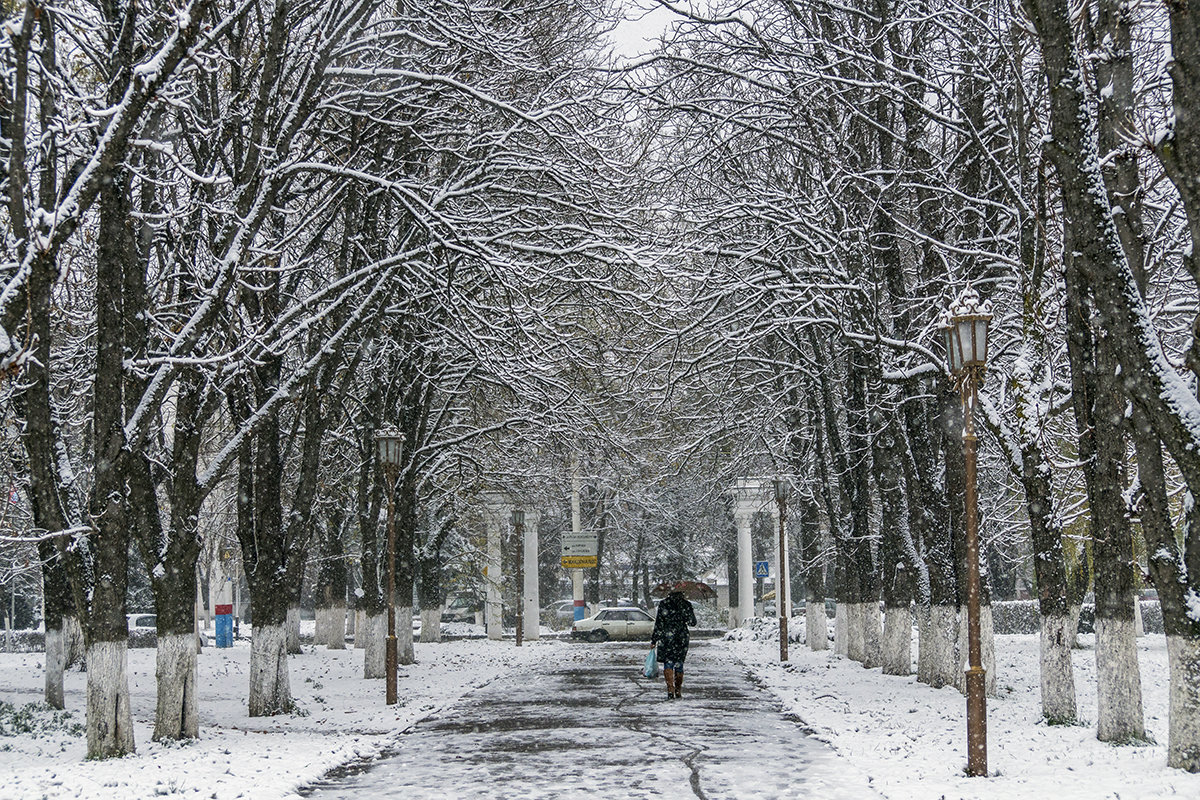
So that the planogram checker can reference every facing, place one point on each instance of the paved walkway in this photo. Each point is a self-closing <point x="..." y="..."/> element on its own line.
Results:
<point x="590" y="725"/>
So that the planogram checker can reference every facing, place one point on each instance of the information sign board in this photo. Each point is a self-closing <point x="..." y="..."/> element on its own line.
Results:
<point x="580" y="550"/>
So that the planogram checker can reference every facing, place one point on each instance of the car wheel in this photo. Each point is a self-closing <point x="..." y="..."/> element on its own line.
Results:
<point x="598" y="636"/>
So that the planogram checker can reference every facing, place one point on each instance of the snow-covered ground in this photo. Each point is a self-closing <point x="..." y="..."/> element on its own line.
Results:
<point x="340" y="718"/>
<point x="911" y="739"/>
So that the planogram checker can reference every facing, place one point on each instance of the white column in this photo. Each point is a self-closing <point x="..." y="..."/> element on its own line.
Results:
<point x="531" y="598"/>
<point x="745" y="566"/>
<point x="495" y="617"/>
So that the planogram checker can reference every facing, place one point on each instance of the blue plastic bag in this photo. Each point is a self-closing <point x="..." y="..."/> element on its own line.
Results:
<point x="651" y="668"/>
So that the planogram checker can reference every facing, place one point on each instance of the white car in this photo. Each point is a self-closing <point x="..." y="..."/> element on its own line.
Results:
<point x="614" y="623"/>
<point x="141" y="622"/>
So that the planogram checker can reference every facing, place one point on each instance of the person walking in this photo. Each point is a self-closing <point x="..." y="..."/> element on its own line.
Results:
<point x="675" y="614"/>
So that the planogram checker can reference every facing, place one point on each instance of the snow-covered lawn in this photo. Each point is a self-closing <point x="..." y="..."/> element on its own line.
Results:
<point x="341" y="718"/>
<point x="911" y="739"/>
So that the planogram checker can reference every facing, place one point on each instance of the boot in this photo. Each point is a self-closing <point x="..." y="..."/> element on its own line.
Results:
<point x="678" y="684"/>
<point x="669" y="674"/>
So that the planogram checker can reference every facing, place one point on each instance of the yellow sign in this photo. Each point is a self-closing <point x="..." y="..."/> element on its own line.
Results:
<point x="579" y="562"/>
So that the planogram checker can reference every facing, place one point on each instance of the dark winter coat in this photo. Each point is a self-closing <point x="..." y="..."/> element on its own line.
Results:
<point x="675" y="614"/>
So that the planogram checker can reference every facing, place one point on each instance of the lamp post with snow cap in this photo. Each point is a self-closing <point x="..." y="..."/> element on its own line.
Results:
<point x="965" y="330"/>
<point x="782" y="489"/>
<point x="518" y="521"/>
<point x="388" y="443"/>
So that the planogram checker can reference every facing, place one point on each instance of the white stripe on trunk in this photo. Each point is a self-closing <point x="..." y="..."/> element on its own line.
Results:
<point x="1119" y="715"/>
<point x="1057" y="673"/>
<point x="109" y="723"/>
<point x="175" y="715"/>
<point x="1183" y="750"/>
<point x="943" y="657"/>
<point x="270" y="692"/>
<point x="897" y="640"/>
<point x="841" y="632"/>
<point x="404" y="636"/>
<point x="56" y="662"/>
<point x="431" y="624"/>
<point x="335" y="633"/>
<point x="374" y="634"/>
<point x="816" y="626"/>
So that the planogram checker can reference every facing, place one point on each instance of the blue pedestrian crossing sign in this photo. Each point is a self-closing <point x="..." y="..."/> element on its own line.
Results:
<point x="761" y="570"/>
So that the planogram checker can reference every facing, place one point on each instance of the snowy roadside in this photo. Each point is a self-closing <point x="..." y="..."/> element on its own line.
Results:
<point x="341" y="718"/>
<point x="910" y="739"/>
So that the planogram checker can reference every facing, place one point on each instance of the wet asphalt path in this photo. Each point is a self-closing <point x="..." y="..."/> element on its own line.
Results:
<point x="590" y="724"/>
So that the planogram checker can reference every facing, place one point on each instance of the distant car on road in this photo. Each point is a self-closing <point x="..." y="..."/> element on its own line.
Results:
<point x="142" y="622"/>
<point x="460" y="609"/>
<point x="564" y="610"/>
<point x="614" y="623"/>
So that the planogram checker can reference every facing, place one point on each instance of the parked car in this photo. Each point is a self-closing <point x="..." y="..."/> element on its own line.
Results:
<point x="142" y="622"/>
<point x="561" y="611"/>
<point x="614" y="623"/>
<point x="460" y="609"/>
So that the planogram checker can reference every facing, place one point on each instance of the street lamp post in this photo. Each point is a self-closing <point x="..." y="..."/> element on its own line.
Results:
<point x="518" y="521"/>
<point x="388" y="443"/>
<point x="782" y="487"/>
<point x="965" y="328"/>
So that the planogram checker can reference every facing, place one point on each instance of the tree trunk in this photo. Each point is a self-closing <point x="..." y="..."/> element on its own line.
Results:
<point x="57" y="606"/>
<point x="109" y="721"/>
<point x="176" y="716"/>
<point x="431" y="596"/>
<point x="899" y="554"/>
<point x="431" y="624"/>
<point x="374" y="630"/>
<point x="939" y="637"/>
<point x="815" y="623"/>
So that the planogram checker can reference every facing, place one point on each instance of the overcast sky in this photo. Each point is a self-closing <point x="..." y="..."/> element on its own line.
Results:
<point x="644" y="22"/>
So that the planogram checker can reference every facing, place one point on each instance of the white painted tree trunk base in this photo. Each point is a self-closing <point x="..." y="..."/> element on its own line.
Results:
<point x="335" y="634"/>
<point x="987" y="650"/>
<point x="1057" y="673"/>
<point x="374" y="634"/>
<point x="56" y="662"/>
<point x="1183" y="749"/>
<point x="1139" y="629"/>
<point x="175" y="715"/>
<point x="816" y="626"/>
<point x="897" y="641"/>
<point x="431" y="624"/>
<point x="987" y="633"/>
<point x="841" y="632"/>
<point x="270" y="692"/>
<point x="943" y="655"/>
<point x="872" y="628"/>
<point x="856" y="645"/>
<point x="404" y="635"/>
<point x="924" y="640"/>
<point x="320" y="626"/>
<point x="1119" y="716"/>
<point x="293" y="630"/>
<point x="109" y="722"/>
<point x="361" y="634"/>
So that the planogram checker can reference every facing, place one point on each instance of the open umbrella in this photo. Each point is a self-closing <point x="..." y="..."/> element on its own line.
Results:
<point x="692" y="590"/>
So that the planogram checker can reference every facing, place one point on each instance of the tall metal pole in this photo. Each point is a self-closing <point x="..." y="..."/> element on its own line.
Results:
<point x="391" y="656"/>
<point x="781" y="581"/>
<point x="976" y="684"/>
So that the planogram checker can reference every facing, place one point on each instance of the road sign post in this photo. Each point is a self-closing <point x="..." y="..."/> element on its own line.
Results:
<point x="580" y="549"/>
